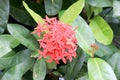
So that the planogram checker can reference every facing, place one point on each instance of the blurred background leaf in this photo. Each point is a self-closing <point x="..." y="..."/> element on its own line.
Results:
<point x="75" y="66"/>
<point x="114" y="61"/>
<point x="22" y="63"/>
<point x="52" y="7"/>
<point x="4" y="14"/>
<point x="100" y="3"/>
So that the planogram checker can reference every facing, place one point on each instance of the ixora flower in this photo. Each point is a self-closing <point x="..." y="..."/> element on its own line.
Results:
<point x="58" y="40"/>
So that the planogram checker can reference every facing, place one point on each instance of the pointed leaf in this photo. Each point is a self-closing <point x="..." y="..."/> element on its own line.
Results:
<point x="72" y="12"/>
<point x="4" y="14"/>
<point x="39" y="70"/>
<point x="99" y="69"/>
<point x="84" y="34"/>
<point x="52" y="7"/>
<point x="23" y="64"/>
<point x="114" y="61"/>
<point x="101" y="29"/>
<point x="34" y="15"/>
<point x="7" y="42"/>
<point x="23" y="35"/>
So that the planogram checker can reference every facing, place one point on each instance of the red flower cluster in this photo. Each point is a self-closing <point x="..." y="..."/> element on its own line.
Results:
<point x="58" y="41"/>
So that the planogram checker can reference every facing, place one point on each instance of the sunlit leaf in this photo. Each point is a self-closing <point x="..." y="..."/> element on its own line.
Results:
<point x="101" y="30"/>
<point x="72" y="12"/>
<point x="84" y="34"/>
<point x="7" y="42"/>
<point x="99" y="69"/>
<point x="34" y="15"/>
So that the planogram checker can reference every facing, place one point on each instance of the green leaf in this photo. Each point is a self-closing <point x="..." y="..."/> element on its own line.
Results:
<point x="105" y="50"/>
<point x="116" y="9"/>
<point x="114" y="61"/>
<point x="100" y="3"/>
<point x="101" y="30"/>
<point x="7" y="42"/>
<point x="74" y="67"/>
<point x="97" y="10"/>
<point x="52" y="7"/>
<point x="39" y="70"/>
<point x="84" y="34"/>
<point x="72" y="12"/>
<point x="99" y="69"/>
<point x="51" y="65"/>
<point x="5" y="61"/>
<point x="22" y="63"/>
<point x="35" y="16"/>
<point x="89" y="10"/>
<point x="4" y="14"/>
<point x="85" y="77"/>
<point x="17" y="13"/>
<point x="23" y="35"/>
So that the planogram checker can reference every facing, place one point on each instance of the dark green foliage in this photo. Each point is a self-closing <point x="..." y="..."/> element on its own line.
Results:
<point x="96" y="22"/>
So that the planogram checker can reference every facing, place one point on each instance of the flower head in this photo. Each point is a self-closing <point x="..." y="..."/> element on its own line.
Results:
<point x="58" y="41"/>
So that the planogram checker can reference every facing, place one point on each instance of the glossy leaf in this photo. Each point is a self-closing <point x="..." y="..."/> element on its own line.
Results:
<point x="5" y="61"/>
<point x="84" y="34"/>
<point x="100" y="3"/>
<point x="39" y="70"/>
<point x="74" y="67"/>
<point x="7" y="42"/>
<point x="4" y="14"/>
<point x="101" y="29"/>
<point x="52" y="7"/>
<point x="35" y="16"/>
<point x="72" y="12"/>
<point x="105" y="50"/>
<point x="23" y="35"/>
<point x="116" y="8"/>
<point x="114" y="61"/>
<point x="22" y="63"/>
<point x="17" y="13"/>
<point x="99" y="69"/>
